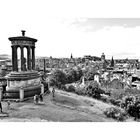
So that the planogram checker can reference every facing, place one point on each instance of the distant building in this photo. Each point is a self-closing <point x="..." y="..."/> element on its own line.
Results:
<point x="93" y="58"/>
<point x="112" y="62"/>
<point x="103" y="57"/>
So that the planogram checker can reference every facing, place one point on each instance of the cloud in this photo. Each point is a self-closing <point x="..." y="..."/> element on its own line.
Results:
<point x="95" y="24"/>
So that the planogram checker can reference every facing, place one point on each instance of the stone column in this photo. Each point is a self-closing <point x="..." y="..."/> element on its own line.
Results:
<point x="22" y="58"/>
<point x="13" y="58"/>
<point x="33" y="57"/>
<point x="42" y="88"/>
<point x="1" y="94"/>
<point x="21" y="94"/>
<point x="28" y="58"/>
<point x="16" y="59"/>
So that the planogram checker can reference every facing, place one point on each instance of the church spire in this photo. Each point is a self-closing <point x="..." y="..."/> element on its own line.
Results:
<point x="71" y="56"/>
<point x="112" y="62"/>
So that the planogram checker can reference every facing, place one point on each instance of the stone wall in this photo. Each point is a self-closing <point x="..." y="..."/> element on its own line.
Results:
<point x="24" y="83"/>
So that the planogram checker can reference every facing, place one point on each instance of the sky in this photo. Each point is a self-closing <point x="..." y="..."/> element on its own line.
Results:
<point x="64" y="27"/>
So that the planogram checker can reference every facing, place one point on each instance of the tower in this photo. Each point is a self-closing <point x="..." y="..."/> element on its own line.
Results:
<point x="25" y="78"/>
<point x="112" y="62"/>
<point x="103" y="61"/>
<point x="103" y="57"/>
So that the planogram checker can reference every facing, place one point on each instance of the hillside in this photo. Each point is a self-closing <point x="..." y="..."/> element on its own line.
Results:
<point x="65" y="107"/>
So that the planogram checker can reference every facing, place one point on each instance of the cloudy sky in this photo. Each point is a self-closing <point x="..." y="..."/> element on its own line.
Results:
<point x="61" y="30"/>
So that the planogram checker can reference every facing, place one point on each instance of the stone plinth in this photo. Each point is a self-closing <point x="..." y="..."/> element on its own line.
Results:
<point x="29" y="81"/>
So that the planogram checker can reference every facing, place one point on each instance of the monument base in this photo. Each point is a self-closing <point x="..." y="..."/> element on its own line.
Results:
<point x="28" y="81"/>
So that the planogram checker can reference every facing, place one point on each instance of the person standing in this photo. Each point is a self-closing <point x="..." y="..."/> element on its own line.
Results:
<point x="53" y="91"/>
<point x="35" y="99"/>
<point x="8" y="105"/>
<point x="1" y="107"/>
<point x="41" y="97"/>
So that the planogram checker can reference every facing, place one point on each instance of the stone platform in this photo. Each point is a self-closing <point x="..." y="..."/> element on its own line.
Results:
<point x="3" y="115"/>
<point x="28" y="81"/>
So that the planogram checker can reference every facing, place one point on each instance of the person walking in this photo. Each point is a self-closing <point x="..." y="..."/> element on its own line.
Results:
<point x="53" y="91"/>
<point x="1" y="107"/>
<point x="37" y="99"/>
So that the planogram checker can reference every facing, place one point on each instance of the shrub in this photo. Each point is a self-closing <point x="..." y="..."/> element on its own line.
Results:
<point x="93" y="90"/>
<point x="107" y="93"/>
<point x="104" y="99"/>
<point x="126" y="101"/>
<point x="57" y="78"/>
<point x="63" y="87"/>
<point x="116" y="84"/>
<point x="96" y="93"/>
<point x="70" y="88"/>
<point x="115" y="113"/>
<point x="73" y="75"/>
<point x="115" y="102"/>
<point x="80" y="90"/>
<point x="132" y="106"/>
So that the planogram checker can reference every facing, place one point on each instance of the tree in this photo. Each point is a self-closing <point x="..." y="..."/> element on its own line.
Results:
<point x="79" y="74"/>
<point x="93" y="90"/>
<point x="73" y="75"/>
<point x="90" y="75"/>
<point x="57" y="78"/>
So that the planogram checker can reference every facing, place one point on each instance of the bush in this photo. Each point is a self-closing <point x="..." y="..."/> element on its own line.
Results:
<point x="116" y="84"/>
<point x="93" y="90"/>
<point x="70" y="88"/>
<point x="57" y="78"/>
<point x="105" y="99"/>
<point x="126" y="101"/>
<point x="96" y="93"/>
<point x="80" y="90"/>
<point x="63" y="87"/>
<point x="132" y="106"/>
<point x="115" y="102"/>
<point x="73" y="75"/>
<point x="115" y="113"/>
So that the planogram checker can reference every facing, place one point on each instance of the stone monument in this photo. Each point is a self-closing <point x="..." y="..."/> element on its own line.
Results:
<point x="23" y="82"/>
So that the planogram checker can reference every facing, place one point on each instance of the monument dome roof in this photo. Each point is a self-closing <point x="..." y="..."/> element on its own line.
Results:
<point x="22" y="38"/>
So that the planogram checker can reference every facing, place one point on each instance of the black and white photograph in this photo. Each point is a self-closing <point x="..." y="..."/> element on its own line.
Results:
<point x="66" y="62"/>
